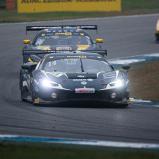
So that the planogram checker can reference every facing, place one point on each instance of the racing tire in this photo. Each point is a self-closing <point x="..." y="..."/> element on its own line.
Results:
<point x="35" y="99"/>
<point x="157" y="39"/>
<point x="23" y="90"/>
<point x="123" y="105"/>
<point x="22" y="94"/>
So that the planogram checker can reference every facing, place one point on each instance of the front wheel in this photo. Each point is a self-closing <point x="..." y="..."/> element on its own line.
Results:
<point x="23" y="94"/>
<point x="23" y="89"/>
<point x="157" y="38"/>
<point x="35" y="99"/>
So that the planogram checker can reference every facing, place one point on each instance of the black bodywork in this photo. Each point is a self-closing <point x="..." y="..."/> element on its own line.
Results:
<point x="54" y="30"/>
<point x="73" y="86"/>
<point x="157" y="36"/>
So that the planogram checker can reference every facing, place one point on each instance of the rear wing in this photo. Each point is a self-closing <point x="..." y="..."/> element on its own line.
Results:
<point x="39" y="28"/>
<point x="45" y="52"/>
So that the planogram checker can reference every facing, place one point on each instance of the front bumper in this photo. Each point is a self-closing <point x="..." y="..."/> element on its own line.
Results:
<point x="110" y="96"/>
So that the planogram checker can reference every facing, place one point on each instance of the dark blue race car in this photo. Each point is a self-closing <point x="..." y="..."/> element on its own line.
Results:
<point x="73" y="76"/>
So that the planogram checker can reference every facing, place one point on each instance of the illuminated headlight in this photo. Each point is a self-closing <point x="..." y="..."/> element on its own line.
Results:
<point x="45" y="83"/>
<point x="117" y="84"/>
<point x="157" y="26"/>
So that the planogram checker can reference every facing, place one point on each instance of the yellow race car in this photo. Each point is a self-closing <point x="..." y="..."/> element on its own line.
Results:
<point x="60" y="38"/>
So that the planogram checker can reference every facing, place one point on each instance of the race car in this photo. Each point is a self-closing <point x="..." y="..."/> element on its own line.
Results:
<point x="157" y="31"/>
<point x="79" y="76"/>
<point x="62" y="37"/>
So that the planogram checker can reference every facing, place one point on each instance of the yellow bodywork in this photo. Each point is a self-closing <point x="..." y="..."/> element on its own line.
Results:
<point x="36" y="101"/>
<point x="30" y="60"/>
<point x="45" y="48"/>
<point x="99" y="40"/>
<point x="82" y="47"/>
<point x="26" y="41"/>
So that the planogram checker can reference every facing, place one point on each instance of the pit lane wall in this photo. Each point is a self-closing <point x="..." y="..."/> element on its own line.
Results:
<point x="35" y="6"/>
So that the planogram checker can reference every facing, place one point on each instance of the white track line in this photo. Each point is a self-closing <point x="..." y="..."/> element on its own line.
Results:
<point x="147" y="103"/>
<point x="113" y="144"/>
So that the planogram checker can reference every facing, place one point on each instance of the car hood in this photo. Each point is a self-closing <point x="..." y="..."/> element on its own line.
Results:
<point x="79" y="80"/>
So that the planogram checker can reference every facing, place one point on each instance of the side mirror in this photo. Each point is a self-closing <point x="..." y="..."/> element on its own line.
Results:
<point x="26" y="42"/>
<point x="126" y="67"/>
<point x="35" y="58"/>
<point x="99" y="40"/>
<point x="29" y="66"/>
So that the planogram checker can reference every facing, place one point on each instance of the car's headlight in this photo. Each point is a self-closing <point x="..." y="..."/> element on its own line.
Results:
<point x="45" y="83"/>
<point x="117" y="84"/>
<point x="157" y="26"/>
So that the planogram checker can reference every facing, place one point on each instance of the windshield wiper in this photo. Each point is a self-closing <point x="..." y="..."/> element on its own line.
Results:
<point x="82" y="68"/>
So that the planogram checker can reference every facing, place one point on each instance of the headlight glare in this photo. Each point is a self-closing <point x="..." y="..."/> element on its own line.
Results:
<point x="45" y="83"/>
<point x="157" y="26"/>
<point x="117" y="84"/>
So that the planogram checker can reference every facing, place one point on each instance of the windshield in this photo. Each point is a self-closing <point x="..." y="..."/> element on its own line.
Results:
<point x="76" y="65"/>
<point x="63" y="40"/>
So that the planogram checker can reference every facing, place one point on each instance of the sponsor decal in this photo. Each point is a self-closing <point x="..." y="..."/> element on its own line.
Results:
<point x="79" y="80"/>
<point x="85" y="90"/>
<point x="80" y="76"/>
<point x="60" y="48"/>
<point x="83" y="82"/>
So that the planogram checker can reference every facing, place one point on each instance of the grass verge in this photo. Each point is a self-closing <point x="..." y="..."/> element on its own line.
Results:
<point x="144" y="81"/>
<point x="129" y="7"/>
<point x="37" y="151"/>
<point x="141" y="5"/>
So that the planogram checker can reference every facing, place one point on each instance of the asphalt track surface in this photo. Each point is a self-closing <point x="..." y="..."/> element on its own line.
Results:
<point x="125" y="36"/>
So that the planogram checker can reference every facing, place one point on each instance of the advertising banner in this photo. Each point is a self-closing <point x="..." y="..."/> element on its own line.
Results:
<point x="33" y="6"/>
